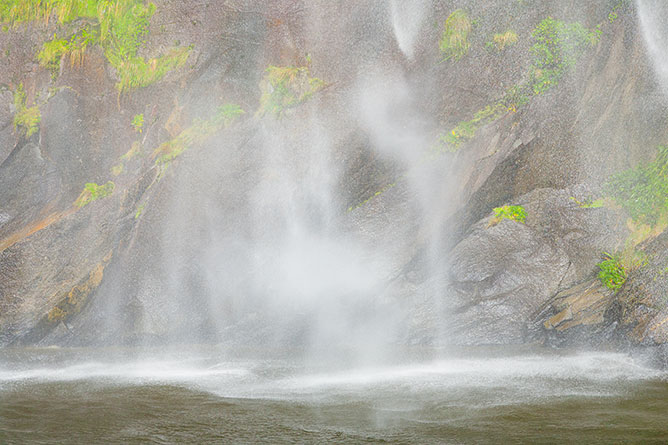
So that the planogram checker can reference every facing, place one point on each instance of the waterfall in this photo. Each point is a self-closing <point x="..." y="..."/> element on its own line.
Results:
<point x="653" y="16"/>
<point x="407" y="18"/>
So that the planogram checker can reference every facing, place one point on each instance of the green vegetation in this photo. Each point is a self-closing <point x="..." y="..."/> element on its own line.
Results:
<point x="514" y="213"/>
<point x="26" y="119"/>
<point x="614" y="14"/>
<point x="135" y="150"/>
<point x="138" y="122"/>
<point x="51" y="53"/>
<point x="378" y="193"/>
<point x="92" y="192"/>
<point x="504" y="40"/>
<point x="140" y="210"/>
<point x="643" y="191"/>
<point x="197" y="133"/>
<point x="558" y="47"/>
<point x="612" y="273"/>
<point x="119" y="27"/>
<point x="286" y="87"/>
<point x="466" y="130"/>
<point x="588" y="203"/>
<point x="454" y="43"/>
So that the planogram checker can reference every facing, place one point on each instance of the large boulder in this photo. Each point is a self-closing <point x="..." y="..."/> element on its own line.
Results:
<point x="501" y="275"/>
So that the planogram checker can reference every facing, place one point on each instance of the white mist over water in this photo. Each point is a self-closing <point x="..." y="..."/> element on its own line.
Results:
<point x="653" y="16"/>
<point x="494" y="380"/>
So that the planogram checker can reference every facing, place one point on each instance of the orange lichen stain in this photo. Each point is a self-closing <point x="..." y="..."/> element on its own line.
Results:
<point x="34" y="227"/>
<point x="275" y="23"/>
<point x="76" y="297"/>
<point x="79" y="293"/>
<point x="56" y="314"/>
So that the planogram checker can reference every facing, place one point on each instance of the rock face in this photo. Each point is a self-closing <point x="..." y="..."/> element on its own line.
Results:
<point x="501" y="275"/>
<point x="138" y="265"/>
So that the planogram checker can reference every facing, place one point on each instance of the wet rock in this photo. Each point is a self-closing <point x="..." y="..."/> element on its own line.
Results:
<point x="643" y="300"/>
<point x="577" y="316"/>
<point x="502" y="276"/>
<point x="499" y="276"/>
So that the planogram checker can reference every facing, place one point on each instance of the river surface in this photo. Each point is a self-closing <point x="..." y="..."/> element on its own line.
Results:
<point x="211" y="396"/>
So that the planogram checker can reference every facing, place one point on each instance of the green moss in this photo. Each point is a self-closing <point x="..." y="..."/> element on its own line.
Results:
<point x="93" y="192"/>
<point x="26" y="119"/>
<point x="454" y="43"/>
<point x="117" y="169"/>
<point x="558" y="47"/>
<point x="466" y="130"/>
<point x="514" y="213"/>
<point x="589" y="203"/>
<point x="138" y="122"/>
<point x="140" y="210"/>
<point x="619" y="6"/>
<point x="643" y="191"/>
<point x="612" y="273"/>
<point x="135" y="150"/>
<point x="198" y="132"/>
<point x="285" y="87"/>
<point x="375" y="195"/>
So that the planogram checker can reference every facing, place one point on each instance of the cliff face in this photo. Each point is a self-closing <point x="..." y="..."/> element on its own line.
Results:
<point x="110" y="203"/>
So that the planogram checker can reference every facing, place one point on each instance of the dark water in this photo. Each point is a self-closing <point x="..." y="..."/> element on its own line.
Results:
<point x="56" y="396"/>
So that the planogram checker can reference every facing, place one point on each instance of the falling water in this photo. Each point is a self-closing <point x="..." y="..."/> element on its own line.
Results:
<point x="407" y="19"/>
<point x="653" y="15"/>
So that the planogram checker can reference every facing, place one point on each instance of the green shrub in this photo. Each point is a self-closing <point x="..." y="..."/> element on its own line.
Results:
<point x="454" y="42"/>
<point x="514" y="213"/>
<point x="612" y="273"/>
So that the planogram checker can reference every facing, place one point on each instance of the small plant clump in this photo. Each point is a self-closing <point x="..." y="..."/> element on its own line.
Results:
<point x="454" y="42"/>
<point x="93" y="192"/>
<point x="514" y="213"/>
<point x="612" y="273"/>
<point x="139" y="211"/>
<point x="285" y="87"/>
<point x="466" y="130"/>
<point x="198" y="132"/>
<point x="505" y="40"/>
<point x="138" y="122"/>
<point x="614" y="14"/>
<point x="26" y="119"/>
